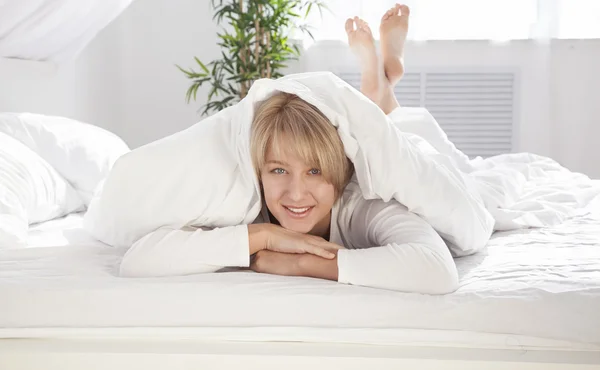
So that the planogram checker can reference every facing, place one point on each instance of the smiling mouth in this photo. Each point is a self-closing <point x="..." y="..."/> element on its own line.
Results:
<point x="298" y="212"/>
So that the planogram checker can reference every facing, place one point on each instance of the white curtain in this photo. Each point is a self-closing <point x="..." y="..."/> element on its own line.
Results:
<point x="53" y="30"/>
<point x="470" y="19"/>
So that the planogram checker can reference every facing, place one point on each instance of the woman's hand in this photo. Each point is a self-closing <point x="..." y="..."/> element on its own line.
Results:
<point x="283" y="240"/>
<point x="276" y="263"/>
<point x="278" y="239"/>
<point x="269" y="262"/>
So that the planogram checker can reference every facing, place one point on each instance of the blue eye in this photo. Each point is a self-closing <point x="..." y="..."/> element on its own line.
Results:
<point x="315" y="171"/>
<point x="279" y="171"/>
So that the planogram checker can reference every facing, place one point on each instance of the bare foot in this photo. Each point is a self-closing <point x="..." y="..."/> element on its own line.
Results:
<point x="393" y="30"/>
<point x="362" y="44"/>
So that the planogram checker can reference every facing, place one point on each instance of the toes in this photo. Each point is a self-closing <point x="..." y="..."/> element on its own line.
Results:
<point x="364" y="26"/>
<point x="397" y="9"/>
<point x="404" y="10"/>
<point x="359" y="23"/>
<point x="387" y="14"/>
<point x="349" y="25"/>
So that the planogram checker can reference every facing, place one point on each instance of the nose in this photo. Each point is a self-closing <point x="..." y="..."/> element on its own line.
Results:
<point x="297" y="188"/>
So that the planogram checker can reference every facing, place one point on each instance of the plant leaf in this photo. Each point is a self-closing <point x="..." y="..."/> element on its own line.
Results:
<point x="308" y="8"/>
<point x="195" y="87"/>
<point x="189" y="74"/>
<point x="201" y="65"/>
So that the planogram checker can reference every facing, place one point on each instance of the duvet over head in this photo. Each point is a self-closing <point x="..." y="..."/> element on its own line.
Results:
<point x="203" y="176"/>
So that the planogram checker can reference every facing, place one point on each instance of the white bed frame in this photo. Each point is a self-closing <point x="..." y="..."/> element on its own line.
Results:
<point x="156" y="354"/>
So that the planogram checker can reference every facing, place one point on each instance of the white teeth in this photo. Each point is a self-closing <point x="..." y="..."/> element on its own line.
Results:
<point x="298" y="210"/>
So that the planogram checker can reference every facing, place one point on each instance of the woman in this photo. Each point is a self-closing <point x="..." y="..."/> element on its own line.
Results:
<point x="314" y="221"/>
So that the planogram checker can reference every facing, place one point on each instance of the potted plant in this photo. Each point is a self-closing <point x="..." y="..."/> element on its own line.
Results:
<point x="256" y="45"/>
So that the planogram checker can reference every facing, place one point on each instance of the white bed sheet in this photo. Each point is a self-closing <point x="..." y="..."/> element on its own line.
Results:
<point x="536" y="288"/>
<point x="59" y="232"/>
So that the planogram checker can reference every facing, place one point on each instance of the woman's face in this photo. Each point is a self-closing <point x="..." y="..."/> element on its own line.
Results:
<point x="296" y="194"/>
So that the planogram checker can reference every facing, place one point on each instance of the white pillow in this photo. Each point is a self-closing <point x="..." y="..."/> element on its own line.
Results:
<point x="30" y="191"/>
<point x="82" y="153"/>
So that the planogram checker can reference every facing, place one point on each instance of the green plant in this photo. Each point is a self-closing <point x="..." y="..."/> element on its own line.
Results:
<point x="256" y="45"/>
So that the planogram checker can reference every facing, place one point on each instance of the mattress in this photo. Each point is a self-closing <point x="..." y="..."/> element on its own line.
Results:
<point x="535" y="288"/>
<point x="62" y="231"/>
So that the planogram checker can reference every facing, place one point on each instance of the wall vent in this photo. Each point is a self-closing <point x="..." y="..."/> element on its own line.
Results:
<point x="475" y="109"/>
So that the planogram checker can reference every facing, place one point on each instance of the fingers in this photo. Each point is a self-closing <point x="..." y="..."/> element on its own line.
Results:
<point x="332" y="246"/>
<point x="327" y="244"/>
<point x="319" y="241"/>
<point x="325" y="249"/>
<point x="286" y="241"/>
<point x="321" y="252"/>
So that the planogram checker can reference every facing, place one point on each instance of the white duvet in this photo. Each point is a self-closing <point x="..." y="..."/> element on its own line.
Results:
<point x="203" y="176"/>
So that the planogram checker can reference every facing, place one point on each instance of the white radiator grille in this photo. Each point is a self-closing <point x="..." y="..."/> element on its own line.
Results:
<point x="475" y="109"/>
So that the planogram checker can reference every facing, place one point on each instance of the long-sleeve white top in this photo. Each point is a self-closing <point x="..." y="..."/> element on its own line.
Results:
<point x="386" y="246"/>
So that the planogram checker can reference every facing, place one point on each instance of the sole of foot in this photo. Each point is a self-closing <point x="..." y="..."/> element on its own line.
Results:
<point x="393" y="31"/>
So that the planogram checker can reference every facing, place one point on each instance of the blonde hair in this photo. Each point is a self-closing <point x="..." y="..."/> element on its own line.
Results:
<point x="315" y="140"/>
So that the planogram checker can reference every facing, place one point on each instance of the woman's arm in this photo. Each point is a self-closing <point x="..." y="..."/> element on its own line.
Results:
<point x="408" y="256"/>
<point x="317" y="267"/>
<point x="168" y="251"/>
<point x="309" y="265"/>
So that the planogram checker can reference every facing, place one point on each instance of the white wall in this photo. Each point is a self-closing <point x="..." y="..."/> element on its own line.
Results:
<point x="156" y="35"/>
<point x="35" y="86"/>
<point x="575" y="105"/>
<point x="126" y="80"/>
<point x="85" y="89"/>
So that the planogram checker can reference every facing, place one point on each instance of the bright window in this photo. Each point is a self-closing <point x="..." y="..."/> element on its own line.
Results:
<point x="470" y="19"/>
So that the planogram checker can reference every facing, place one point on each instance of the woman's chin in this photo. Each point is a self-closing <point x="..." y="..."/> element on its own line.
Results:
<point x="299" y="227"/>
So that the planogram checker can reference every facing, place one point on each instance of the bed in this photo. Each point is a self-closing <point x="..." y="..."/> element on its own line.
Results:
<point x="530" y="300"/>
